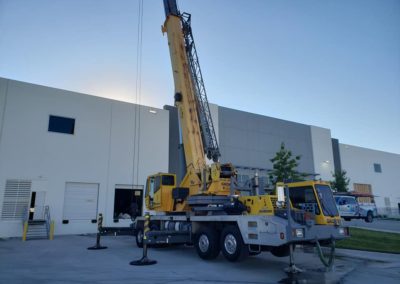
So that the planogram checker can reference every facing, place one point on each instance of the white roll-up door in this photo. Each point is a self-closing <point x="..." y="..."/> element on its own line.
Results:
<point x="80" y="201"/>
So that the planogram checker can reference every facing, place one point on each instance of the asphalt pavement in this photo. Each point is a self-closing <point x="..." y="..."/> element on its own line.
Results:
<point x="67" y="260"/>
<point x="378" y="224"/>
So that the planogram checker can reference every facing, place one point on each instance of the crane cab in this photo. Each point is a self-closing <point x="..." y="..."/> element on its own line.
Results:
<point x="315" y="196"/>
<point x="159" y="190"/>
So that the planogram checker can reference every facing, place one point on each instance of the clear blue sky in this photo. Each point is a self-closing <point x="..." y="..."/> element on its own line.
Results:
<point x="334" y="64"/>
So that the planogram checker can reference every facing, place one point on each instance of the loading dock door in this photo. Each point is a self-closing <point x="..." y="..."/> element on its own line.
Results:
<point x="128" y="202"/>
<point x="80" y="201"/>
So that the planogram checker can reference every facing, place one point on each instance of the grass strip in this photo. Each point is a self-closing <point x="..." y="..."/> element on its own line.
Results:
<point x="361" y="239"/>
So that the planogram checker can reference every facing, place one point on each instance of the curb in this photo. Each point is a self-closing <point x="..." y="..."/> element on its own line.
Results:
<point x="375" y="230"/>
<point x="368" y="255"/>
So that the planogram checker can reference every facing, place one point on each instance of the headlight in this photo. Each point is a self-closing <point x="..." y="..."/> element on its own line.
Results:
<point x="342" y="231"/>
<point x="299" y="233"/>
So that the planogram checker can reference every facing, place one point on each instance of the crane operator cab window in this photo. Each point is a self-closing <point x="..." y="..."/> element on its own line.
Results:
<point x="150" y="193"/>
<point x="151" y="187"/>
<point x="154" y="183"/>
<point x="168" y="180"/>
<point x="303" y="198"/>
<point x="154" y="188"/>
<point x="326" y="200"/>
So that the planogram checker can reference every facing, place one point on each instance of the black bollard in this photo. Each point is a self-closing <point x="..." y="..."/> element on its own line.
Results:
<point x="99" y="226"/>
<point x="144" y="260"/>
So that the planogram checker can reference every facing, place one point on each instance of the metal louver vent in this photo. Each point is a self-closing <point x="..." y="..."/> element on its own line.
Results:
<point x="16" y="199"/>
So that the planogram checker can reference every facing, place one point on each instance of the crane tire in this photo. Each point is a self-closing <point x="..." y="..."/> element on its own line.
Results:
<point x="207" y="243"/>
<point x="232" y="245"/>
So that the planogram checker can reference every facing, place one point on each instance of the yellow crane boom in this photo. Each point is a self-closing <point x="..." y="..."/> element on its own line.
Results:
<point x="185" y="99"/>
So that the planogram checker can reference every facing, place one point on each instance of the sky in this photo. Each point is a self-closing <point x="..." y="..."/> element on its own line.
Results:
<point x="333" y="63"/>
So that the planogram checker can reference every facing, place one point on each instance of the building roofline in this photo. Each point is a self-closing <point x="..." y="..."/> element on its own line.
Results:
<point x="369" y="149"/>
<point x="78" y="93"/>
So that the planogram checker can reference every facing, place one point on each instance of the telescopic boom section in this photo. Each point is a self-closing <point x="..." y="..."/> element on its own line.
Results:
<point x="198" y="132"/>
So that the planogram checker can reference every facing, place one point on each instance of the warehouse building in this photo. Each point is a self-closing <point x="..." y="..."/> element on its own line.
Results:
<point x="81" y="155"/>
<point x="76" y="154"/>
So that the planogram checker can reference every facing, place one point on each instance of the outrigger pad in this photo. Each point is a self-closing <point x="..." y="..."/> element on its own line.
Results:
<point x="96" y="247"/>
<point x="143" y="261"/>
<point x="293" y="269"/>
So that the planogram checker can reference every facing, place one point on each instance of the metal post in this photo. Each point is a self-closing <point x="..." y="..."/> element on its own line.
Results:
<point x="232" y="186"/>
<point x="256" y="184"/>
<point x="292" y="267"/>
<point x="144" y="260"/>
<point x="204" y="180"/>
<point x="25" y="232"/>
<point x="288" y="211"/>
<point x="291" y="258"/>
<point x="51" y="236"/>
<point x="99" y="228"/>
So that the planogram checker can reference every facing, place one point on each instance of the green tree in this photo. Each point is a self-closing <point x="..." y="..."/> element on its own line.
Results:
<point x="340" y="182"/>
<point x="285" y="166"/>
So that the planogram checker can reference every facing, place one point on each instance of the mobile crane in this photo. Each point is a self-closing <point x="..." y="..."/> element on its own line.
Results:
<point x="208" y="207"/>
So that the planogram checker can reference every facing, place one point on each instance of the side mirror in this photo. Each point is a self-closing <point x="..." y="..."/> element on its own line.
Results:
<point x="281" y="193"/>
<point x="280" y="190"/>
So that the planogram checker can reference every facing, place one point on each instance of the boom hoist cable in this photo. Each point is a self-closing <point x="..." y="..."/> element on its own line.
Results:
<point x="209" y="137"/>
<point x="138" y="90"/>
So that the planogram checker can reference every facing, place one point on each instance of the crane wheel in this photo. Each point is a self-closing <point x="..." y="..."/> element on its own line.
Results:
<point x="232" y="245"/>
<point x="281" y="251"/>
<point x="207" y="243"/>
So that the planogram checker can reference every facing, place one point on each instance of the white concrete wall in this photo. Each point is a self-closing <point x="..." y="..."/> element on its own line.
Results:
<point x="3" y="99"/>
<point x="359" y="164"/>
<point x="214" y="117"/>
<point x="100" y="151"/>
<point x="322" y="152"/>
